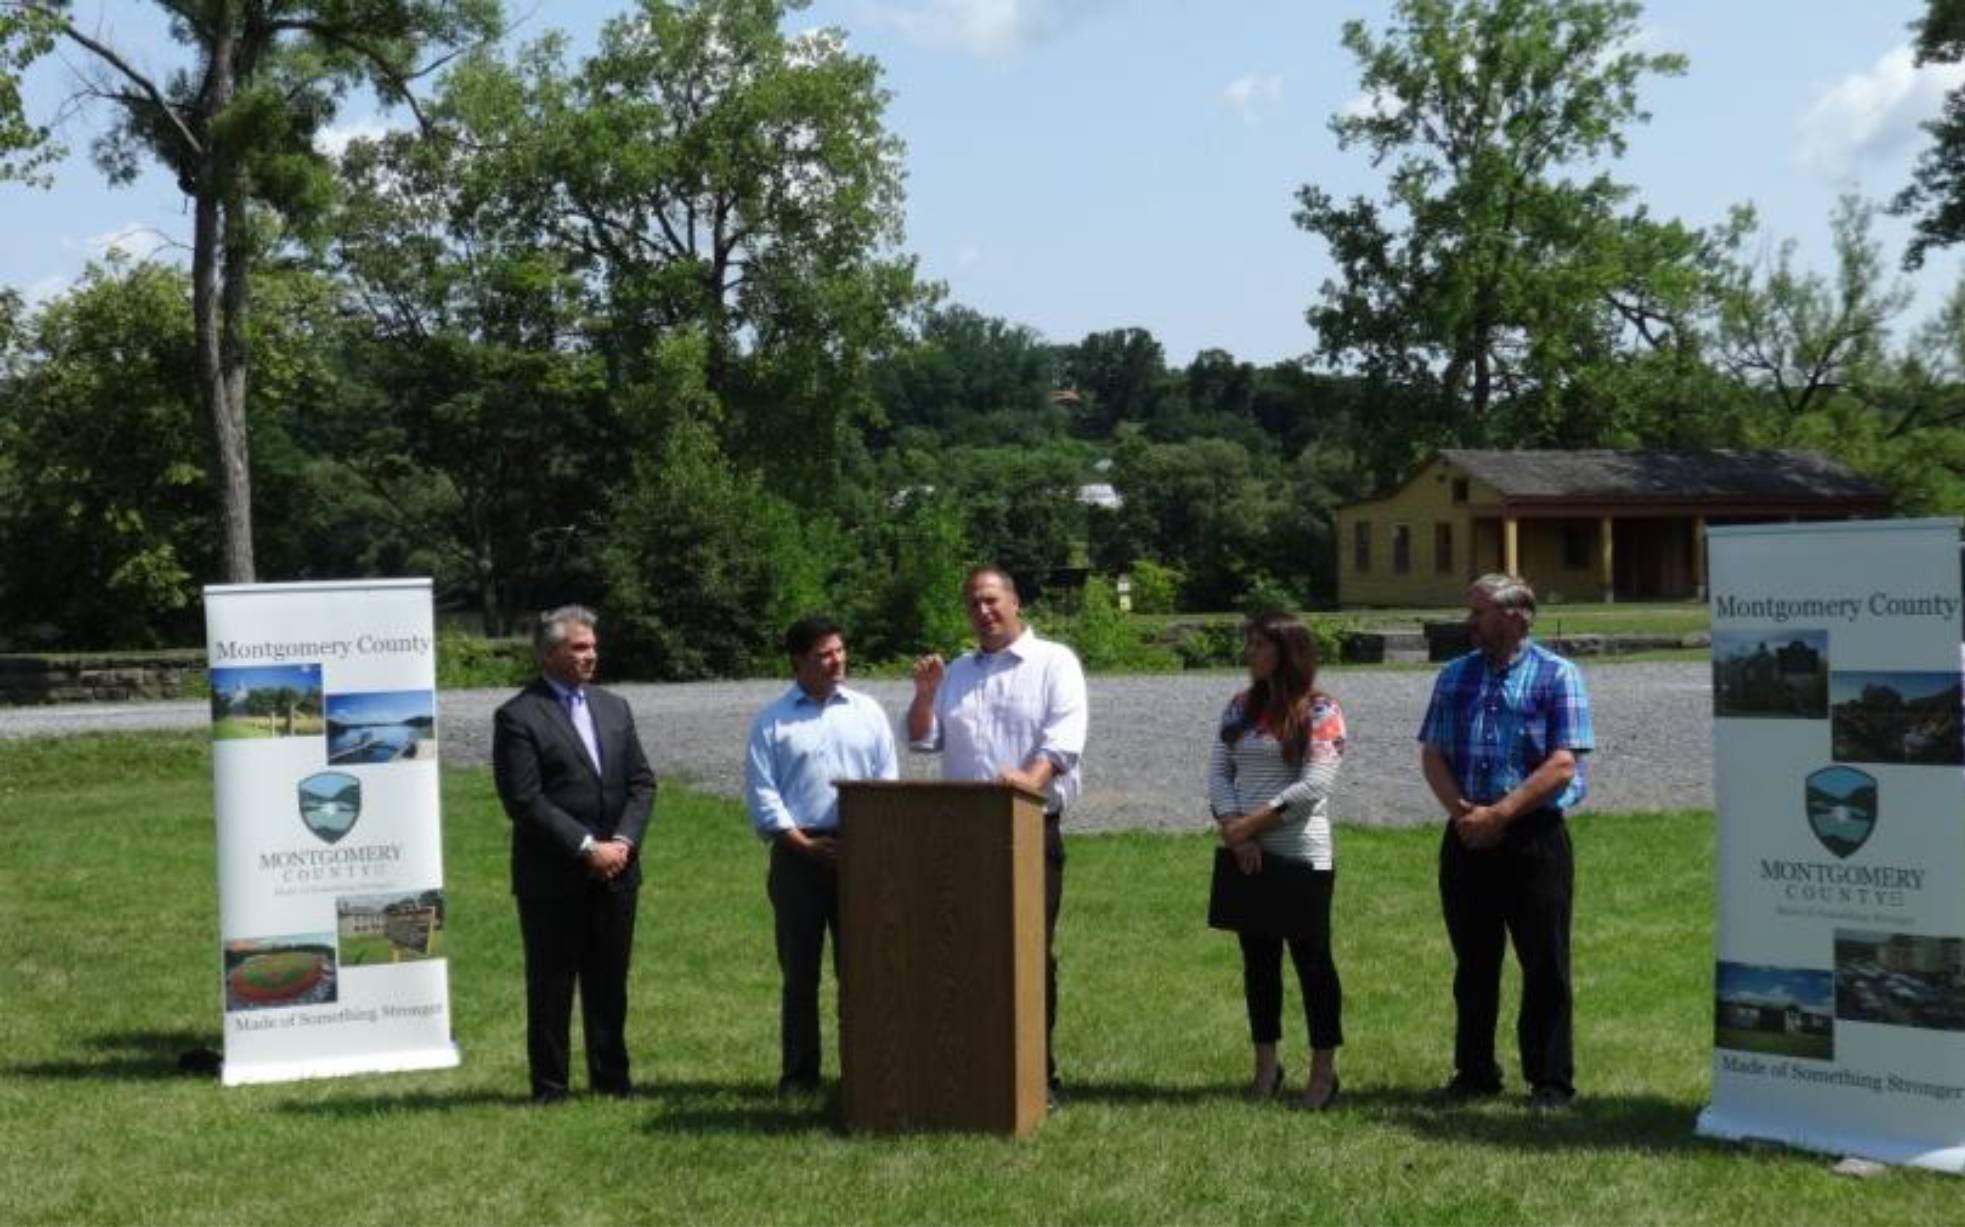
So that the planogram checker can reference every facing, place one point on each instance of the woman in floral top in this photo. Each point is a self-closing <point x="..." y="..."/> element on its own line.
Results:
<point x="1269" y="780"/>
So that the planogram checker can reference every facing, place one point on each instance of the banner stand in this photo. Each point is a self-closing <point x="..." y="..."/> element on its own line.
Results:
<point x="1839" y="789"/>
<point x="330" y="848"/>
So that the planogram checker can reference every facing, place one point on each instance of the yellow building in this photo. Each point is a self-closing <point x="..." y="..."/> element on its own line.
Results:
<point x="1577" y="525"/>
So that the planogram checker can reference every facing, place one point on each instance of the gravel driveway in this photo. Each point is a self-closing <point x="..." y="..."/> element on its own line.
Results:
<point x="1149" y="740"/>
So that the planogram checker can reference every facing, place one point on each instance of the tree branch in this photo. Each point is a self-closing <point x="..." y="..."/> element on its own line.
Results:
<point x="144" y="85"/>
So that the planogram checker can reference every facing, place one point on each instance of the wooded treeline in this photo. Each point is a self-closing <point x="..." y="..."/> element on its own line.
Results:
<point x="640" y="328"/>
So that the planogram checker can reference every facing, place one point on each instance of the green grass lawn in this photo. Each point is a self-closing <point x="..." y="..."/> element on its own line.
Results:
<point x="109" y="968"/>
<point x="369" y="949"/>
<point x="1816" y="1047"/>
<point x="233" y="728"/>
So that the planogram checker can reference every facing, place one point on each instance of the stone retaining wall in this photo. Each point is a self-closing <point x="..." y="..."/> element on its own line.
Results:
<point x="102" y="677"/>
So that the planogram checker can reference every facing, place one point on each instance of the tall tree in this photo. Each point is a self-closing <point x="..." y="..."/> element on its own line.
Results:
<point x="478" y="412"/>
<point x="235" y="125"/>
<point x="1935" y="196"/>
<point x="1797" y="338"/>
<point x="1488" y="276"/>
<point x="717" y="176"/>
<point x="101" y="546"/>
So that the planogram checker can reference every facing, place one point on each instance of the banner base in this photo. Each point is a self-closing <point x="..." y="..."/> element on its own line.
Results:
<point x="1730" y="1127"/>
<point x="235" y="1073"/>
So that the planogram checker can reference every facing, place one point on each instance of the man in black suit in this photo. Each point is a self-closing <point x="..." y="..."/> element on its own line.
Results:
<point x="578" y="789"/>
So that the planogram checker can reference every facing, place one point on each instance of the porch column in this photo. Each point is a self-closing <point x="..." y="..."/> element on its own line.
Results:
<point x="1699" y="556"/>
<point x="1604" y="560"/>
<point x="1510" y="553"/>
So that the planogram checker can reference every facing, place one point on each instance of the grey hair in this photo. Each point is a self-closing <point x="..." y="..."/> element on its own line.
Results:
<point x="1510" y="593"/>
<point x="555" y="624"/>
<point x="986" y="569"/>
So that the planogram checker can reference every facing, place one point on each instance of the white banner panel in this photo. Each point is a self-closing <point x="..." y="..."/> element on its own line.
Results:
<point x="330" y="849"/>
<point x="1839" y="989"/>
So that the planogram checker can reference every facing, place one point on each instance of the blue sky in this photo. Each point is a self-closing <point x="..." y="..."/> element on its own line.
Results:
<point x="1848" y="687"/>
<point x="267" y="677"/>
<point x="381" y="706"/>
<point x="1078" y="165"/>
<point x="1748" y="982"/>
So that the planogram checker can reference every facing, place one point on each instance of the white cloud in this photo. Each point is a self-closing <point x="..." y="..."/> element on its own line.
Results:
<point x="135" y="240"/>
<point x="1874" y="112"/>
<point x="334" y="139"/>
<point x="985" y="28"/>
<point x="1247" y="94"/>
<point x="1369" y="106"/>
<point x="47" y="289"/>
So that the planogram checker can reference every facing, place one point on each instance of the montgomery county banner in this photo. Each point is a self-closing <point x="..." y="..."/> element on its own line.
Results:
<point x="1839" y="774"/>
<point x="330" y="850"/>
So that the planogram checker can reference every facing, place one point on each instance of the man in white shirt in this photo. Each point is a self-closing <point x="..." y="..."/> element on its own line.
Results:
<point x="1013" y="710"/>
<point x="817" y="732"/>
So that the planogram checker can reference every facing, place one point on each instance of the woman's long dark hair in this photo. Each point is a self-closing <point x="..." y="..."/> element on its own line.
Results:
<point x="1280" y="703"/>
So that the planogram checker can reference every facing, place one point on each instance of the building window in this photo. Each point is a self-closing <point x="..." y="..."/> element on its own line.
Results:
<point x="1577" y="538"/>
<point x="1459" y="489"/>
<point x="1401" y="549"/>
<point x="1361" y="547"/>
<point x="1442" y="548"/>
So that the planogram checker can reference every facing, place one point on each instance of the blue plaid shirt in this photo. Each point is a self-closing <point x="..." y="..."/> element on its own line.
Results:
<point x="1496" y="726"/>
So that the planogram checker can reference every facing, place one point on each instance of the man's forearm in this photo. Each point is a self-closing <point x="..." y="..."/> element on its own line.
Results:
<point x="921" y="717"/>
<point x="1439" y="777"/>
<point x="1542" y="785"/>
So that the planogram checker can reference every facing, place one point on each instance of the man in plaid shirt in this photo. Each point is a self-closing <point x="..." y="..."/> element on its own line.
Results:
<point x="1502" y="748"/>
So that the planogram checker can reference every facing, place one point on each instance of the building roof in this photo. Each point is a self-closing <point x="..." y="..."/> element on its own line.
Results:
<point x="1715" y="474"/>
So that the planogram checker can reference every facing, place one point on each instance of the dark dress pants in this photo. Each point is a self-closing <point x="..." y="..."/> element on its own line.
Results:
<point x="1053" y="899"/>
<point x="1316" y="971"/>
<point x="584" y="940"/>
<point x="1523" y="889"/>
<point x="805" y="905"/>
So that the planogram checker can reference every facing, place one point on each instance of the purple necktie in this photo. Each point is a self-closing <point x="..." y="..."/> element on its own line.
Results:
<point x="583" y="723"/>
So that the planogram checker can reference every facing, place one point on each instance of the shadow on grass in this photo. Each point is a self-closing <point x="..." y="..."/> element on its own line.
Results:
<point x="1592" y="1122"/>
<point x="753" y="1109"/>
<point x="670" y="1107"/>
<point x="129" y="1055"/>
<point x="410" y="1101"/>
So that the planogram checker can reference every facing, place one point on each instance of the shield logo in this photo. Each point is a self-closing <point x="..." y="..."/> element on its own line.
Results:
<point x="1842" y="808"/>
<point x="330" y="801"/>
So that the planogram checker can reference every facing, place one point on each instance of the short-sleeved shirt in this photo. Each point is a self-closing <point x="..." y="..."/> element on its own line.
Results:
<point x="1496" y="726"/>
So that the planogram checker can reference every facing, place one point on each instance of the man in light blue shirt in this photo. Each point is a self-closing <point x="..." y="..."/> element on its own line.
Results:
<point x="816" y="732"/>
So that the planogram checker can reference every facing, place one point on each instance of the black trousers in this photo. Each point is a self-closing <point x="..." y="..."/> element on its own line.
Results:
<point x="1053" y="899"/>
<point x="1316" y="974"/>
<point x="584" y="940"/>
<point x="805" y="906"/>
<point x="1522" y="890"/>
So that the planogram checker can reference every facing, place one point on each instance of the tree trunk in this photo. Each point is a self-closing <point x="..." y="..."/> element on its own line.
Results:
<point x="230" y="431"/>
<point x="488" y="603"/>
<point x="218" y="258"/>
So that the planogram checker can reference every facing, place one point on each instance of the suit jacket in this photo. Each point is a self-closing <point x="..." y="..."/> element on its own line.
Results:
<point x="554" y="796"/>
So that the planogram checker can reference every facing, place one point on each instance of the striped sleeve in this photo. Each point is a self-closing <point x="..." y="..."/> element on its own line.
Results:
<point x="1322" y="757"/>
<point x="1221" y="770"/>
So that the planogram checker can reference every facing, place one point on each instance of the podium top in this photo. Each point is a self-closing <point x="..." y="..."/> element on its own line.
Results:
<point x="932" y="785"/>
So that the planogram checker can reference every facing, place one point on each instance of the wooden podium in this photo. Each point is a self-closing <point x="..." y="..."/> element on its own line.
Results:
<point x="941" y="924"/>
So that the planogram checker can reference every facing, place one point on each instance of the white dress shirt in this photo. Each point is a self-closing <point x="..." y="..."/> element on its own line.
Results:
<point x="1003" y="709"/>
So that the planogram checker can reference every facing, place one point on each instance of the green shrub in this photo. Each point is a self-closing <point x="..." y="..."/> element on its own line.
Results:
<point x="1106" y="639"/>
<point x="472" y="662"/>
<point x="1211" y="645"/>
<point x="1154" y="587"/>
